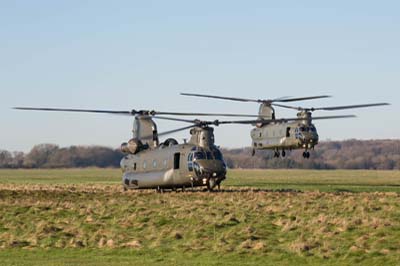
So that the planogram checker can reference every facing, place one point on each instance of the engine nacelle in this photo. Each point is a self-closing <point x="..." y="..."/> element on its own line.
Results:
<point x="133" y="146"/>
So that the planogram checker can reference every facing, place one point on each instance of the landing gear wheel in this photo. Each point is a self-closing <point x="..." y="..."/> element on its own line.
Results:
<point x="277" y="155"/>
<point x="283" y="153"/>
<point x="211" y="184"/>
<point x="253" y="152"/>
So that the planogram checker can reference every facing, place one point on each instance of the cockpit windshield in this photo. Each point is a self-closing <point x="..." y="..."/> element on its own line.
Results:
<point x="218" y="155"/>
<point x="199" y="155"/>
<point x="307" y="129"/>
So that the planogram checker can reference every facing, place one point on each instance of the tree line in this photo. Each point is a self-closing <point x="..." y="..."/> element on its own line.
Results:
<point x="348" y="154"/>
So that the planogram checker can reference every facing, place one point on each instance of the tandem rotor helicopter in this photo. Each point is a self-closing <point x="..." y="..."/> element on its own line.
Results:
<point x="168" y="165"/>
<point x="149" y="164"/>
<point x="281" y="135"/>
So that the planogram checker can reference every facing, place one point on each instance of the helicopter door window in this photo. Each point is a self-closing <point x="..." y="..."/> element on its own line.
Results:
<point x="288" y="132"/>
<point x="177" y="157"/>
<point x="144" y="165"/>
<point x="134" y="166"/>
<point x="154" y="164"/>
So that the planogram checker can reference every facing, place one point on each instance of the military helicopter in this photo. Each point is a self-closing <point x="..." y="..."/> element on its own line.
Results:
<point x="281" y="135"/>
<point x="168" y="165"/>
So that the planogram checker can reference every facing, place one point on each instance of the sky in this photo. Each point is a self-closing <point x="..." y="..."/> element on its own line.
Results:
<point x="123" y="55"/>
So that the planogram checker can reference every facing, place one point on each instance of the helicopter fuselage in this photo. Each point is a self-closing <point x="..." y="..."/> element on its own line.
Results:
<point x="173" y="166"/>
<point x="284" y="136"/>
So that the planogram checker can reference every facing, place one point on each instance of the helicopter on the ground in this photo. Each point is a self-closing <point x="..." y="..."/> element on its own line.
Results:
<point x="281" y="135"/>
<point x="168" y="165"/>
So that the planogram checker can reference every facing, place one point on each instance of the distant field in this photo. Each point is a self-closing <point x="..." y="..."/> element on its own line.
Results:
<point x="274" y="217"/>
<point x="324" y="180"/>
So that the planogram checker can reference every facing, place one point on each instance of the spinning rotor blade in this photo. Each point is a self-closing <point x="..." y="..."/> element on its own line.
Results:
<point x="169" y="132"/>
<point x="203" y="114"/>
<point x="283" y="99"/>
<point x="174" y="130"/>
<point x="283" y="120"/>
<point x="303" y="98"/>
<point x="332" y="108"/>
<point x="220" y="97"/>
<point x="177" y="119"/>
<point x="74" y="110"/>
<point x="200" y="123"/>
<point x="133" y="112"/>
<point x="332" y="117"/>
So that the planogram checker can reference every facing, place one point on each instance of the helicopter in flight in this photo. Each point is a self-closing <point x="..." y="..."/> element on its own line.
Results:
<point x="149" y="164"/>
<point x="281" y="135"/>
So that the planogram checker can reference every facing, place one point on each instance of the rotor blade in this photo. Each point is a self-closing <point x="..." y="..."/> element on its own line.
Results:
<point x="334" y="108"/>
<point x="176" y="119"/>
<point x="282" y="99"/>
<point x="283" y="120"/>
<point x="288" y="106"/>
<point x="264" y="121"/>
<point x="221" y="97"/>
<point x="169" y="132"/>
<point x="203" y="114"/>
<point x="131" y="112"/>
<point x="332" y="117"/>
<point x="302" y="98"/>
<point x="74" y="110"/>
<point x="175" y="130"/>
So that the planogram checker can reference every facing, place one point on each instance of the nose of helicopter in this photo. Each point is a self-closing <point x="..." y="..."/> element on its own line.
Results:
<point x="309" y="139"/>
<point x="210" y="168"/>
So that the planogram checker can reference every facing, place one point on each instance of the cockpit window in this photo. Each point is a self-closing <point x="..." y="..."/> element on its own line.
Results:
<point x="199" y="155"/>
<point x="218" y="155"/>
<point x="209" y="156"/>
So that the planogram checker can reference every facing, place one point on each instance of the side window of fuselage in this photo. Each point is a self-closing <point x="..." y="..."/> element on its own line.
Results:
<point x="177" y="158"/>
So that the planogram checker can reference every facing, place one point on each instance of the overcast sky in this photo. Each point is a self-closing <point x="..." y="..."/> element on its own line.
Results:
<point x="141" y="54"/>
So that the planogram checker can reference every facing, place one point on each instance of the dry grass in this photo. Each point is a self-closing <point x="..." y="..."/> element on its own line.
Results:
<point x="326" y="225"/>
<point x="329" y="227"/>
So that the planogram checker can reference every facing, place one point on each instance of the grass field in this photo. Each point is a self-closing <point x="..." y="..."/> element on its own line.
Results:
<point x="274" y="217"/>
